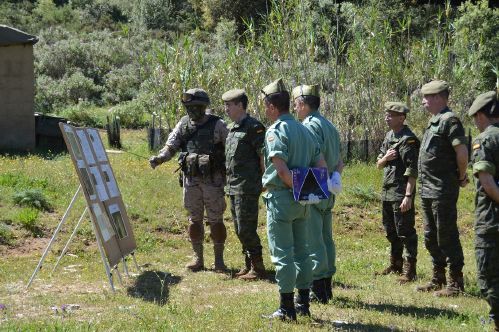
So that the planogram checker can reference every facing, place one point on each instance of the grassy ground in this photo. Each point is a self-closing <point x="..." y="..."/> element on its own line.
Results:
<point x="164" y="296"/>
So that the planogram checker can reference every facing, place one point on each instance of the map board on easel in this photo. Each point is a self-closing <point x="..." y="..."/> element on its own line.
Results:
<point x="101" y="191"/>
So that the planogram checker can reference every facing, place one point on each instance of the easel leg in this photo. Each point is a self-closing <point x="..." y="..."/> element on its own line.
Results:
<point x="119" y="275"/>
<point x="63" y="220"/>
<point x="69" y="240"/>
<point x="103" y="256"/>
<point x="135" y="262"/>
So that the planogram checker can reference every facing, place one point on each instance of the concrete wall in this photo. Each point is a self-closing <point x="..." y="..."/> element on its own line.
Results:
<point x="17" y="90"/>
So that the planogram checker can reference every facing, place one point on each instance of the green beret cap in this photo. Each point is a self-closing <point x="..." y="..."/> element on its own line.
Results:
<point x="487" y="99"/>
<point x="395" y="106"/>
<point x="233" y="94"/>
<point x="306" y="90"/>
<point x="434" y="87"/>
<point x="274" y="87"/>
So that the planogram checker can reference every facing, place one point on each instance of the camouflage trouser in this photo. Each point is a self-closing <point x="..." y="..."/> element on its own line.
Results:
<point x="441" y="234"/>
<point x="487" y="258"/>
<point x="399" y="228"/>
<point x="244" y="209"/>
<point x="205" y="194"/>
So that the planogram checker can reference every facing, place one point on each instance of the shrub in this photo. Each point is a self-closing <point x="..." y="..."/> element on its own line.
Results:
<point x="28" y="219"/>
<point x="6" y="234"/>
<point x="32" y="198"/>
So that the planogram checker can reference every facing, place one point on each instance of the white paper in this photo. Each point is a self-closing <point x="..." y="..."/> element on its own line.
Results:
<point x="97" y="144"/>
<point x="103" y="223"/>
<point x="110" y="181"/>
<point x="99" y="184"/>
<point x="87" y="151"/>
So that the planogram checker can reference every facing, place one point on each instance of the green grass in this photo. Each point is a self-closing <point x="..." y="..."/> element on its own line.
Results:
<point x="164" y="296"/>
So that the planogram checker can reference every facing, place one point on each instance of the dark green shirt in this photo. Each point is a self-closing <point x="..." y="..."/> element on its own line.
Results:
<point x="243" y="148"/>
<point x="486" y="159"/>
<point x="437" y="169"/>
<point x="396" y="172"/>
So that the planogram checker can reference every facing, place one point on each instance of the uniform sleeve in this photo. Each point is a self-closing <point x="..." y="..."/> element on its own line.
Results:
<point x="276" y="145"/>
<point x="257" y="137"/>
<point x="382" y="149"/>
<point x="455" y="131"/>
<point x="483" y="158"/>
<point x="172" y="143"/>
<point x="409" y="152"/>
<point x="221" y="132"/>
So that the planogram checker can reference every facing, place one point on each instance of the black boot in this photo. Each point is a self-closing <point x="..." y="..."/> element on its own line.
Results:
<point x="286" y="309"/>
<point x="329" y="287"/>
<point x="302" y="304"/>
<point x="318" y="293"/>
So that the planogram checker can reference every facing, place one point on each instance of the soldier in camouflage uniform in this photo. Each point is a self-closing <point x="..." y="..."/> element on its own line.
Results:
<point x="443" y="159"/>
<point x="288" y="145"/>
<point x="322" y="248"/>
<point x="485" y="113"/>
<point x="399" y="159"/>
<point x="201" y="138"/>
<point x="243" y="151"/>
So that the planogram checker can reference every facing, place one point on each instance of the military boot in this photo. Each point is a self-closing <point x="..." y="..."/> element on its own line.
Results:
<point x="246" y="268"/>
<point x="197" y="263"/>
<point x="329" y="287"/>
<point x="394" y="267"/>
<point x="437" y="281"/>
<point x="318" y="293"/>
<point x="455" y="285"/>
<point x="409" y="271"/>
<point x="218" y="250"/>
<point x="302" y="304"/>
<point x="257" y="269"/>
<point x="286" y="311"/>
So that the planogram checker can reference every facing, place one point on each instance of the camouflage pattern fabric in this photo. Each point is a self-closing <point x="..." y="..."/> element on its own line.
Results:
<point x="244" y="209"/>
<point x="399" y="229"/>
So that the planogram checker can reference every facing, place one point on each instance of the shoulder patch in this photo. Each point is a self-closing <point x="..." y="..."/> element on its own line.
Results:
<point x="476" y="146"/>
<point x="411" y="141"/>
<point x="270" y="138"/>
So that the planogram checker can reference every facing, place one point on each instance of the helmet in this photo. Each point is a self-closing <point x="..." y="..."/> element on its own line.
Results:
<point x="195" y="96"/>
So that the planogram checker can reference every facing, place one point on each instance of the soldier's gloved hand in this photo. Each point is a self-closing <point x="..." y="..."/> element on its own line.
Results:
<point x="334" y="183"/>
<point x="154" y="161"/>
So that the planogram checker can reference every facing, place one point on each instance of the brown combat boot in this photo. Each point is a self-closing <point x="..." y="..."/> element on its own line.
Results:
<point x="257" y="269"/>
<point x="409" y="271"/>
<point x="197" y="263"/>
<point x="246" y="268"/>
<point x="218" y="250"/>
<point x="394" y="267"/>
<point x="455" y="286"/>
<point x="437" y="281"/>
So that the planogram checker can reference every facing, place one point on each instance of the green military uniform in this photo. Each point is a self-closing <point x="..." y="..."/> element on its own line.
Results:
<point x="399" y="226"/>
<point x="322" y="247"/>
<point x="486" y="159"/>
<point x="439" y="186"/>
<point x="243" y="148"/>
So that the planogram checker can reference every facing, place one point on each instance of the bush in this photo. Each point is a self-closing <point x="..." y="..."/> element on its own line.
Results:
<point x="6" y="234"/>
<point x="84" y="115"/>
<point x="28" y="219"/>
<point x="32" y="198"/>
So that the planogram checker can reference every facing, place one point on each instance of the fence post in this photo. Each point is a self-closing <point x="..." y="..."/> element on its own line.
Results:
<point x="366" y="147"/>
<point x="469" y="143"/>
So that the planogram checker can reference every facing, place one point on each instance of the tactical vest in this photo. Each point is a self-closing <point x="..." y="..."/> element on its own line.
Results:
<point x="199" y="140"/>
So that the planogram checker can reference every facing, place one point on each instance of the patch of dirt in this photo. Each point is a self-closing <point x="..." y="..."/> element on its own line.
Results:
<point x="25" y="247"/>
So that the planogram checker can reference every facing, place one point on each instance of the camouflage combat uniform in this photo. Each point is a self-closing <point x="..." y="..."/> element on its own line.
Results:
<point x="399" y="226"/>
<point x="439" y="191"/>
<point x="243" y="149"/>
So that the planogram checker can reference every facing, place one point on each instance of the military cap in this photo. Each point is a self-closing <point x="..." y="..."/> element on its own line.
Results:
<point x="233" y="94"/>
<point x="306" y="90"/>
<point x="195" y="96"/>
<point x="395" y="106"/>
<point x="434" y="87"/>
<point x="274" y="87"/>
<point x="487" y="99"/>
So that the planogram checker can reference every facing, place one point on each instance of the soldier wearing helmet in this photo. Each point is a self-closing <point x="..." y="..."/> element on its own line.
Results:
<point x="200" y="138"/>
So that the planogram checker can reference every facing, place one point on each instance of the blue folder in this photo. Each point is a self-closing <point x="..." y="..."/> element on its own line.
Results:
<point x="310" y="180"/>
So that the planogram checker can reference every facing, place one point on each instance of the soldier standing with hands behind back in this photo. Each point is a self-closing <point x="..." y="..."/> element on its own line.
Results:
<point x="443" y="159"/>
<point x="485" y="113"/>
<point x="244" y="163"/>
<point x="399" y="159"/>
<point x="201" y="138"/>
